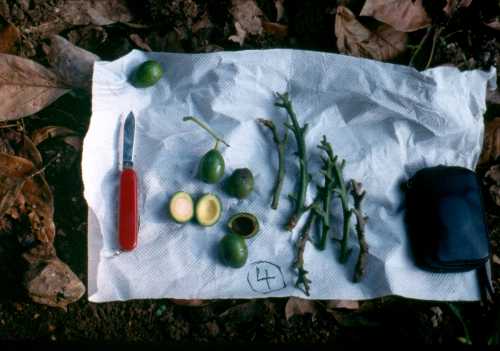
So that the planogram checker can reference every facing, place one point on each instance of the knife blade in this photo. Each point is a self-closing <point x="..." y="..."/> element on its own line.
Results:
<point x="128" y="221"/>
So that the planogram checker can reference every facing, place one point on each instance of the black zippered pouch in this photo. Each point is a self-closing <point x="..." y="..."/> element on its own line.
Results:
<point x="446" y="219"/>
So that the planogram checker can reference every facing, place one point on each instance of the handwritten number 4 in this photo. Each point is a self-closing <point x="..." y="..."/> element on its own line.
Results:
<point x="266" y="277"/>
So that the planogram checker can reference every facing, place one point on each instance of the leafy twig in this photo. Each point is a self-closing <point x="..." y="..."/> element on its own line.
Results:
<point x="326" y="190"/>
<point x="299" y="132"/>
<point x="358" y="195"/>
<point x="209" y="131"/>
<point x="280" y="144"/>
<point x="315" y="209"/>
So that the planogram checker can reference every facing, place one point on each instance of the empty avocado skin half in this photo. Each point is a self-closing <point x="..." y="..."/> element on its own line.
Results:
<point x="181" y="207"/>
<point x="244" y="224"/>
<point x="208" y="209"/>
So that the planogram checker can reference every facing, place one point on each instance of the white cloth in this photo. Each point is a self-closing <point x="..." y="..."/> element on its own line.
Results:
<point x="386" y="120"/>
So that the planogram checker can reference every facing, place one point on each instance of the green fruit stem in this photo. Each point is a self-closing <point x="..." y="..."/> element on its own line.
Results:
<point x="299" y="132"/>
<point x="280" y="144"/>
<point x="207" y="129"/>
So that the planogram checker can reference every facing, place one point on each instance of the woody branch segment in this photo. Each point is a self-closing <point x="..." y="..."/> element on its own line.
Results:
<point x="299" y="132"/>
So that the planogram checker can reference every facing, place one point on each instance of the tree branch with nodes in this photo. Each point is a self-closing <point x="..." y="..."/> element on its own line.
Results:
<point x="304" y="178"/>
<point x="358" y="194"/>
<point x="280" y="145"/>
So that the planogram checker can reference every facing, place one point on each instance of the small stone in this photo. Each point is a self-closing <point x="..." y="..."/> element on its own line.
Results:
<point x="437" y="316"/>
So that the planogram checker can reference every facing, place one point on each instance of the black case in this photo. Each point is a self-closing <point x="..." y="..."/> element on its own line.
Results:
<point x="446" y="219"/>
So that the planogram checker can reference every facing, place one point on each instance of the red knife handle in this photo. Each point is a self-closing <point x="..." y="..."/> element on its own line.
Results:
<point x="128" y="221"/>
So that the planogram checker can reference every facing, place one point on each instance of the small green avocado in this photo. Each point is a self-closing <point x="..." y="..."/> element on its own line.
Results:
<point x="233" y="250"/>
<point x="211" y="167"/>
<point x="240" y="184"/>
<point x="147" y="74"/>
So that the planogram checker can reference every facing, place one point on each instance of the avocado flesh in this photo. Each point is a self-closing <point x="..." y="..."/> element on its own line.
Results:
<point x="181" y="207"/>
<point x="208" y="210"/>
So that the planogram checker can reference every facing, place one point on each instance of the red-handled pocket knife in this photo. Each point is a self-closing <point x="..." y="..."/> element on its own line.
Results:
<point x="128" y="215"/>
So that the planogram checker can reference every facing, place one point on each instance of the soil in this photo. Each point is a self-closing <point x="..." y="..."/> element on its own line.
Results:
<point x="170" y="24"/>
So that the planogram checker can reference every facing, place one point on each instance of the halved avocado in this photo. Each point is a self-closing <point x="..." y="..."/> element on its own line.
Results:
<point x="208" y="210"/>
<point x="244" y="224"/>
<point x="181" y="207"/>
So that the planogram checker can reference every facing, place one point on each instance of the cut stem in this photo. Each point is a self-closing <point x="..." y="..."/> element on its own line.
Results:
<point x="299" y="132"/>
<point x="280" y="144"/>
<point x="358" y="195"/>
<point x="301" y="245"/>
<point x="207" y="129"/>
<point x="341" y="189"/>
<point x="326" y="190"/>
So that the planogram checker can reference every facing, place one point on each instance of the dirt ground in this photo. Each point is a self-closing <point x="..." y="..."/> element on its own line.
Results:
<point x="170" y="28"/>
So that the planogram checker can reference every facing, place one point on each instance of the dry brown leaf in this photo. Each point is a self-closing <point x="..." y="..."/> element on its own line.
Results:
<point x="30" y="151"/>
<point x="493" y="178"/>
<point x="139" y="42"/>
<point x="453" y="5"/>
<point x="491" y="148"/>
<point x="40" y="205"/>
<point x="240" y="35"/>
<point x="247" y="19"/>
<point x="73" y="64"/>
<point x="26" y="87"/>
<point x="203" y="23"/>
<point x="494" y="24"/>
<point x="403" y="15"/>
<point x="280" y="9"/>
<point x="245" y="312"/>
<point x="493" y="97"/>
<point x="42" y="134"/>
<point x="345" y="304"/>
<point x="8" y="37"/>
<point x="38" y="197"/>
<point x="299" y="307"/>
<point x="51" y="282"/>
<point x="495" y="259"/>
<point x="14" y="171"/>
<point x="355" y="39"/>
<point x="75" y="141"/>
<point x="97" y="12"/>
<point x="276" y="29"/>
<point x="81" y="13"/>
<point x="190" y="303"/>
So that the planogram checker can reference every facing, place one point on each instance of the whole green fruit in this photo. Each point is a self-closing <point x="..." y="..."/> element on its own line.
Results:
<point x="240" y="184"/>
<point x="211" y="167"/>
<point x="147" y="74"/>
<point x="233" y="250"/>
